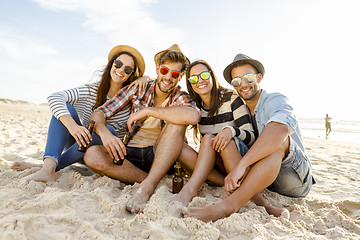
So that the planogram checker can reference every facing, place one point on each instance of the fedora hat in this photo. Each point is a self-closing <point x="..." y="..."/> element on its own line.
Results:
<point x="125" y="48"/>
<point x="174" y="48"/>
<point x="242" y="58"/>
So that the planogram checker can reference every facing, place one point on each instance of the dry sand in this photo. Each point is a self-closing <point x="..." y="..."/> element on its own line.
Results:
<point x="84" y="205"/>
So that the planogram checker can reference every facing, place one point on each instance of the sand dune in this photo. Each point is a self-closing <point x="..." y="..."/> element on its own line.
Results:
<point x="84" y="205"/>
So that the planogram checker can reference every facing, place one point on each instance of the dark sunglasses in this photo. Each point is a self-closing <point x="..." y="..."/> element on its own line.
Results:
<point x="165" y="70"/>
<point x="118" y="64"/>
<point x="250" y="78"/>
<point x="205" y="75"/>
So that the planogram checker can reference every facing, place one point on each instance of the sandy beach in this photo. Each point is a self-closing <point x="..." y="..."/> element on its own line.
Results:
<point x="83" y="205"/>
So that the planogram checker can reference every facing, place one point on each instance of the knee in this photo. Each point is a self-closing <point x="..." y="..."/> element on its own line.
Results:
<point x="175" y="128"/>
<point x="95" y="158"/>
<point x="207" y="138"/>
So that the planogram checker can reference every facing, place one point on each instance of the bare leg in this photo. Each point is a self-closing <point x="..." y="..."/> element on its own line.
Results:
<point x="204" y="165"/>
<point x="188" y="159"/>
<point x="230" y="156"/>
<point x="167" y="151"/>
<point x="99" y="160"/>
<point x="22" y="165"/>
<point x="46" y="173"/>
<point x="261" y="175"/>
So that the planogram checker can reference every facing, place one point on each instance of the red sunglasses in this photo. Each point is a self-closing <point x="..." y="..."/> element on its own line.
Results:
<point x="165" y="70"/>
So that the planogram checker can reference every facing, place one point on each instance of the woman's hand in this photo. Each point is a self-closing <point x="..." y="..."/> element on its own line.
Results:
<point x="140" y="83"/>
<point x="222" y="139"/>
<point x="81" y="134"/>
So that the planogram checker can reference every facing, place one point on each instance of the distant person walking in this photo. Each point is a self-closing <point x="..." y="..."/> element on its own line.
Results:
<point x="328" y="125"/>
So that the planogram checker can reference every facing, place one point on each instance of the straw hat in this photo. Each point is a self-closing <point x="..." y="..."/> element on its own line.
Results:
<point x="174" y="48"/>
<point x="125" y="48"/>
<point x="242" y="58"/>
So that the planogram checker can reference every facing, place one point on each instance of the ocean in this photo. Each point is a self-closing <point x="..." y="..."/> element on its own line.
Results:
<point x="342" y="130"/>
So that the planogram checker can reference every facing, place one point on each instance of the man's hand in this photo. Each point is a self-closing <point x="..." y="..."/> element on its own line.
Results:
<point x="222" y="139"/>
<point x="114" y="146"/>
<point x="137" y="117"/>
<point x="234" y="178"/>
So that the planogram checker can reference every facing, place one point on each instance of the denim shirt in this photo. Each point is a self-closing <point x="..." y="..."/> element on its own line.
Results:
<point x="275" y="107"/>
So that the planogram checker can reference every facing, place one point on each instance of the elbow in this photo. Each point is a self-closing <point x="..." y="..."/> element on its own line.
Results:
<point x="285" y="130"/>
<point x="97" y="116"/>
<point x="194" y="119"/>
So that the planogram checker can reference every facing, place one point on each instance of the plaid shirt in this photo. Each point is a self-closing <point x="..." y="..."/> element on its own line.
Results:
<point x="144" y="99"/>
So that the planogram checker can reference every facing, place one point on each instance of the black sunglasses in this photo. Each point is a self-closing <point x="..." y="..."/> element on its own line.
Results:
<point x="118" y="64"/>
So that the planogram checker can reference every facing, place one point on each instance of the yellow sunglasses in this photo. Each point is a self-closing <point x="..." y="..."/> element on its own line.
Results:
<point x="195" y="78"/>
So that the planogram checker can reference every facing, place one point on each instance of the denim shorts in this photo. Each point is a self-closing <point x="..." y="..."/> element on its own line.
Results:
<point x="141" y="157"/>
<point x="295" y="178"/>
<point x="242" y="148"/>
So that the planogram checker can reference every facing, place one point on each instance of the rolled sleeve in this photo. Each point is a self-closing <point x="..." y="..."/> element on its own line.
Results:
<point x="279" y="110"/>
<point x="285" y="119"/>
<point x="183" y="99"/>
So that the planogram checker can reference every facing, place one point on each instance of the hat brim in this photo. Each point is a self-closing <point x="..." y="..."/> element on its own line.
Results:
<point x="125" y="48"/>
<point x="256" y="64"/>
<point x="159" y="54"/>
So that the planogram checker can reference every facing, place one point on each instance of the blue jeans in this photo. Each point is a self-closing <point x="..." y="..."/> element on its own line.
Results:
<point x="61" y="146"/>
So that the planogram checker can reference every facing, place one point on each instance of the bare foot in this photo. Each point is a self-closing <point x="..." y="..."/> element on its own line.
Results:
<point x="205" y="214"/>
<point x="21" y="165"/>
<point x="285" y="214"/>
<point x="41" y="176"/>
<point x="45" y="174"/>
<point x="138" y="200"/>
<point x="277" y="212"/>
<point x="184" y="197"/>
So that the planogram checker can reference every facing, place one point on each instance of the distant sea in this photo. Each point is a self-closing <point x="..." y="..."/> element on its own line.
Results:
<point x="342" y="130"/>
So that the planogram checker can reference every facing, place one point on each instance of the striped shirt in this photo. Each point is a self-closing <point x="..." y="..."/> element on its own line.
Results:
<point x="232" y="113"/>
<point x="141" y="100"/>
<point x="83" y="99"/>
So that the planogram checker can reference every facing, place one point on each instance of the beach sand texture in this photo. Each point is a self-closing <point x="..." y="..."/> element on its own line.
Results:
<point x="84" y="205"/>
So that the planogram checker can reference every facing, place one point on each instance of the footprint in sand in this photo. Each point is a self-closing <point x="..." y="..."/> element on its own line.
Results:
<point x="12" y="157"/>
<point x="351" y="209"/>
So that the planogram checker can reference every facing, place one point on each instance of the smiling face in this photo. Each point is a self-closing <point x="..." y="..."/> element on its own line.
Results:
<point x="202" y="87"/>
<point x="165" y="81"/>
<point x="247" y="90"/>
<point x="118" y="75"/>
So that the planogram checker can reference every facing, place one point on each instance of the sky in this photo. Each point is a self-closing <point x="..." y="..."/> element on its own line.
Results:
<point x="310" y="48"/>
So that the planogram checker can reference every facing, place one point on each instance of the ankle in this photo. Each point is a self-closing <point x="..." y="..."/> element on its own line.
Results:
<point x="49" y="164"/>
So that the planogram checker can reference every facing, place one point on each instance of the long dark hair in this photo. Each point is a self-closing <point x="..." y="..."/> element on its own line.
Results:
<point x="104" y="85"/>
<point x="216" y="93"/>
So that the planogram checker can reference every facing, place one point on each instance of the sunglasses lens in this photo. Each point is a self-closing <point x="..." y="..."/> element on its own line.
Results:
<point x="118" y="64"/>
<point x="164" y="70"/>
<point x="236" y="82"/>
<point x="175" y="74"/>
<point x="128" y="70"/>
<point x="193" y="79"/>
<point x="205" y="75"/>
<point x="250" y="78"/>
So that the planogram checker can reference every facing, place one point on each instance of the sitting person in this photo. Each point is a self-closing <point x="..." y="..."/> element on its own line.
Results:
<point x="72" y="109"/>
<point x="277" y="159"/>
<point x="156" y="145"/>
<point x="226" y="131"/>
